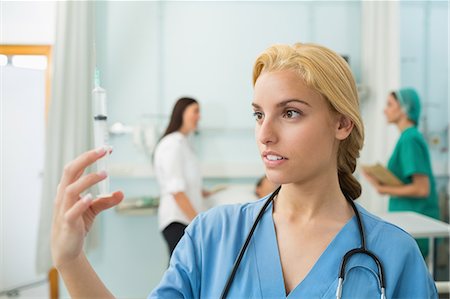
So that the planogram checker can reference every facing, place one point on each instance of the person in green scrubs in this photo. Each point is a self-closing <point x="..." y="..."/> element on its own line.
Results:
<point x="410" y="161"/>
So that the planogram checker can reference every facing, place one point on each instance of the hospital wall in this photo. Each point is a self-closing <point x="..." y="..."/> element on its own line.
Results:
<point x="424" y="33"/>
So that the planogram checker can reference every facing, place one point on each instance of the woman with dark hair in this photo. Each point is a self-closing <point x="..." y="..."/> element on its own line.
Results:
<point x="178" y="173"/>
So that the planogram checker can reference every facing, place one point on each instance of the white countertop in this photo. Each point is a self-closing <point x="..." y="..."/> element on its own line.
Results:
<point x="418" y="225"/>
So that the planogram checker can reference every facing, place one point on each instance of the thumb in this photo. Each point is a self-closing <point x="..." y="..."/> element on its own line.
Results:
<point x="79" y="208"/>
<point x="104" y="203"/>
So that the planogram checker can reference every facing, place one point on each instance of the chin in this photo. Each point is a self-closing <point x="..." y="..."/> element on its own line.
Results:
<point x="276" y="178"/>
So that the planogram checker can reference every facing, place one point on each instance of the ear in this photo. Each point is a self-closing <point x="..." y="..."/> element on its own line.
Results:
<point x="344" y="127"/>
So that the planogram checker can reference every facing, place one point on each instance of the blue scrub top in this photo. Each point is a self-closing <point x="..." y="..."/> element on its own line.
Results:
<point x="204" y="257"/>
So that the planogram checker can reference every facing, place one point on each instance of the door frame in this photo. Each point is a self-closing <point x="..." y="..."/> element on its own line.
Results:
<point x="45" y="50"/>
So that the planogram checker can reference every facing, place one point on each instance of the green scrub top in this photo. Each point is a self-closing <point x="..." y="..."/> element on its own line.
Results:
<point x="411" y="156"/>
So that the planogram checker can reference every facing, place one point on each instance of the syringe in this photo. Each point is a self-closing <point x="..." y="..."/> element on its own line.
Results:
<point x="101" y="133"/>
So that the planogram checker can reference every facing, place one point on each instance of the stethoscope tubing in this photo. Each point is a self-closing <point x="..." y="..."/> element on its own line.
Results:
<point x="346" y="257"/>
<point x="244" y="247"/>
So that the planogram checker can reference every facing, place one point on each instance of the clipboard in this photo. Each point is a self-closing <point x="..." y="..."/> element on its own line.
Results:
<point x="382" y="174"/>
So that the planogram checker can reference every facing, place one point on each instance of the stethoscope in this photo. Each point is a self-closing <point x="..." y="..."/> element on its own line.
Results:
<point x="347" y="256"/>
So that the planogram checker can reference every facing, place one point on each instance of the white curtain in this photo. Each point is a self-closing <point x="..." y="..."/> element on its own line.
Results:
<point x="380" y="74"/>
<point x="69" y="124"/>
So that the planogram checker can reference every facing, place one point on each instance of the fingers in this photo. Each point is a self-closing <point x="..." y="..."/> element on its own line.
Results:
<point x="105" y="203"/>
<point x="74" y="169"/>
<point x="372" y="181"/>
<point x="368" y="176"/>
<point x="72" y="192"/>
<point x="109" y="148"/>
<point x="97" y="206"/>
<point x="79" y="208"/>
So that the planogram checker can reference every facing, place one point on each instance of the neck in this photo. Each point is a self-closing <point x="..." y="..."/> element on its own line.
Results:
<point x="184" y="131"/>
<point x="311" y="200"/>
<point x="403" y="124"/>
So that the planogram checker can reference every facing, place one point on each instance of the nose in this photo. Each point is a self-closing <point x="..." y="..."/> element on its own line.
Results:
<point x="266" y="132"/>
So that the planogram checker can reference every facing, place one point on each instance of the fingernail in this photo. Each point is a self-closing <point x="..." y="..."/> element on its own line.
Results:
<point x="101" y="150"/>
<point x="87" y="198"/>
<point x="102" y="174"/>
<point x="110" y="149"/>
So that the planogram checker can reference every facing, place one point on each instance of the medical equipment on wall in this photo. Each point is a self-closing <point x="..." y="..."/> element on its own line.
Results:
<point x="345" y="258"/>
<point x="100" y="132"/>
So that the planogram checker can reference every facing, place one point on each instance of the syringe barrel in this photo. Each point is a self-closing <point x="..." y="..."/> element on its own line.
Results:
<point x="99" y="101"/>
<point x="101" y="135"/>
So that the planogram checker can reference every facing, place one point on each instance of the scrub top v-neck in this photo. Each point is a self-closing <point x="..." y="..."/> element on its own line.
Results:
<point x="322" y="275"/>
<point x="204" y="258"/>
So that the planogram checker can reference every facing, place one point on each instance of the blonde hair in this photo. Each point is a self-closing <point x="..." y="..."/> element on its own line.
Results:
<point x="329" y="74"/>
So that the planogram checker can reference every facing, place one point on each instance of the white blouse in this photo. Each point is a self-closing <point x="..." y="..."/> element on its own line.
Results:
<point x="177" y="169"/>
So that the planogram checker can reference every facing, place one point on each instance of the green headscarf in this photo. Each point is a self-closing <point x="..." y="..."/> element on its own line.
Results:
<point x="410" y="102"/>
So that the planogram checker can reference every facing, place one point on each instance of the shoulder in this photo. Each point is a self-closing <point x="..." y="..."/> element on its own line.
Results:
<point x="171" y="140"/>
<point x="175" y="137"/>
<point x="412" y="143"/>
<point x="412" y="135"/>
<point x="225" y="214"/>
<point x="225" y="218"/>
<point x="381" y="234"/>
<point x="404" y="267"/>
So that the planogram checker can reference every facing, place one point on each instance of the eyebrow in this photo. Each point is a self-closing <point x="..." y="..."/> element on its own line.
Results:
<point x="284" y="103"/>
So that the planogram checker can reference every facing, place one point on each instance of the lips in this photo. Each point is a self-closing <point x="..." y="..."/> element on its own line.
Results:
<point x="272" y="155"/>
<point x="272" y="159"/>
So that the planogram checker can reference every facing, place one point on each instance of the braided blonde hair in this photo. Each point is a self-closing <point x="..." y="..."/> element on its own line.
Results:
<point x="329" y="74"/>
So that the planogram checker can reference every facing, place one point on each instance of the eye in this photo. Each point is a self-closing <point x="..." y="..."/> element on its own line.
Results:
<point x="258" y="115"/>
<point x="291" y="114"/>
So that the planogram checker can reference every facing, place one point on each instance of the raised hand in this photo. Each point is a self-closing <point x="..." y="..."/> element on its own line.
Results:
<point x="74" y="213"/>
